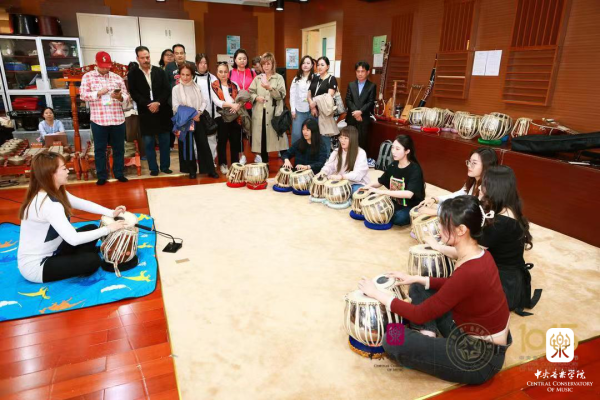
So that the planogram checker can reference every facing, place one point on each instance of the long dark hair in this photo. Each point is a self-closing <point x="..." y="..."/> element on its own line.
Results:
<point x="43" y="167"/>
<point x="352" y="153"/>
<point x="162" y="58"/>
<point x="241" y="51"/>
<point x="462" y="210"/>
<point x="499" y="185"/>
<point x="408" y="144"/>
<point x="488" y="159"/>
<point x="315" y="137"/>
<point x="300" y="73"/>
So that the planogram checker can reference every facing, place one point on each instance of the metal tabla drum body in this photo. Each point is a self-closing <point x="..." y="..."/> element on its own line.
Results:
<point x="235" y="177"/>
<point x="283" y="179"/>
<point x="317" y="189"/>
<point x="433" y="120"/>
<point x="493" y="127"/>
<point x="337" y="194"/>
<point x="384" y="282"/>
<point x="427" y="225"/>
<point x="255" y="175"/>
<point x="378" y="210"/>
<point x="448" y="120"/>
<point x="357" y="197"/>
<point x="365" y="320"/>
<point x="301" y="181"/>
<point x="424" y="261"/>
<point x="414" y="213"/>
<point x="415" y="117"/>
<point x="121" y="246"/>
<point x="456" y="120"/>
<point x="468" y="126"/>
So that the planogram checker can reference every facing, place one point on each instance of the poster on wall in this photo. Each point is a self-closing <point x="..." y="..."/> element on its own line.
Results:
<point x="233" y="43"/>
<point x="378" y="44"/>
<point x="292" y="58"/>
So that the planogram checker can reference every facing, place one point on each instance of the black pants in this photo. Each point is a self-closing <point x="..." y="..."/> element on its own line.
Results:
<point x="203" y="153"/>
<point x="264" y="154"/>
<point x="363" y="131"/>
<point x="72" y="261"/>
<point x="103" y="135"/>
<point x="232" y="132"/>
<point x="440" y="356"/>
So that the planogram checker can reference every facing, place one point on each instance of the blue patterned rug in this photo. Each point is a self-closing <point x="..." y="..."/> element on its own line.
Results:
<point x="20" y="298"/>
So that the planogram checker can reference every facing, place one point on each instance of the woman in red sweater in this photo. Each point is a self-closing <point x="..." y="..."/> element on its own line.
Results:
<point x="468" y="309"/>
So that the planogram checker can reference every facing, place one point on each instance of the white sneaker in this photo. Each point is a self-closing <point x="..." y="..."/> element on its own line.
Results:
<point x="257" y="158"/>
<point x="224" y="169"/>
<point x="243" y="160"/>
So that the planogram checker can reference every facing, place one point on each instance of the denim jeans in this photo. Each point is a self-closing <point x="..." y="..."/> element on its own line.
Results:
<point x="355" y="187"/>
<point x="116" y="135"/>
<point x="435" y="356"/>
<point x="297" y="125"/>
<point x="164" y="149"/>
<point x="401" y="216"/>
<point x="327" y="141"/>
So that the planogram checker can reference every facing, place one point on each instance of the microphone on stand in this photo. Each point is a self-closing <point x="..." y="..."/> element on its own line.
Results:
<point x="172" y="247"/>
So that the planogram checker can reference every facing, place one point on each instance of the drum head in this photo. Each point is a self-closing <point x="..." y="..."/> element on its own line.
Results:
<point x="372" y="199"/>
<point x="357" y="296"/>
<point x="237" y="166"/>
<point x="320" y="179"/>
<point x="306" y="172"/>
<point x="130" y="219"/>
<point x="340" y="183"/>
<point x="422" y="249"/>
<point x="361" y="194"/>
<point x="256" y="165"/>
<point x="384" y="282"/>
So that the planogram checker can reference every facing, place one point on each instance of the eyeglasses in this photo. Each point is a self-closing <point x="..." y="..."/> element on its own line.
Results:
<point x="471" y="163"/>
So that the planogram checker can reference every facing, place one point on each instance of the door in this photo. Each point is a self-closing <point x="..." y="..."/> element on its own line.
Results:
<point x="124" y="31"/>
<point x="182" y="31"/>
<point x="93" y="30"/>
<point x="154" y="33"/>
<point x="121" y="56"/>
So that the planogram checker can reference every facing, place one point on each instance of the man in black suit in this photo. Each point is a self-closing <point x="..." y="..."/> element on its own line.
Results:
<point x="360" y="101"/>
<point x="150" y="90"/>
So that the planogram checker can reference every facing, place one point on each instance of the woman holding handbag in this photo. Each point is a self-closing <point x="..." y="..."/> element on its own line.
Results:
<point x="267" y="93"/>
<point x="324" y="84"/>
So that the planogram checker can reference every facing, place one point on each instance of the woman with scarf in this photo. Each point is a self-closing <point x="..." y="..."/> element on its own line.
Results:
<point x="188" y="106"/>
<point x="242" y="76"/>
<point x="204" y="80"/>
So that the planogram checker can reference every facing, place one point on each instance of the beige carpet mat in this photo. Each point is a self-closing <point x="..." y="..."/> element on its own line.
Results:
<point x="254" y="299"/>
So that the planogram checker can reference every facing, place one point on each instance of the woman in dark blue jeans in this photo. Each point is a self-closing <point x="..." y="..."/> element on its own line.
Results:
<point x="468" y="309"/>
<point x="403" y="180"/>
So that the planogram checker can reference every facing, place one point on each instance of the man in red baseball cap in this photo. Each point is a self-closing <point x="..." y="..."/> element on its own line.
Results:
<point x="105" y="92"/>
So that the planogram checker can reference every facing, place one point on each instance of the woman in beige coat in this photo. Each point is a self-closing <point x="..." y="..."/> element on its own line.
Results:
<point x="267" y="89"/>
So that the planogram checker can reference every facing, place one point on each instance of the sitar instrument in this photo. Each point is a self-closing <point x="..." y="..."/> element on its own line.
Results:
<point x="380" y="104"/>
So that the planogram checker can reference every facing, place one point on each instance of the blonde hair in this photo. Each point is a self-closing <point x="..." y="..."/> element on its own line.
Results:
<point x="268" y="57"/>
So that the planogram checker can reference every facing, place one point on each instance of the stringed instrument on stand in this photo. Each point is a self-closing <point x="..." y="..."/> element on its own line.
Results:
<point x="381" y="112"/>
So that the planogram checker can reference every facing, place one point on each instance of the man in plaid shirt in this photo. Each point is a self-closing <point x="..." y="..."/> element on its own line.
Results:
<point x="105" y="92"/>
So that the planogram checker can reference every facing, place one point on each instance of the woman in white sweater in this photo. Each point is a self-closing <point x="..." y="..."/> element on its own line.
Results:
<point x="352" y="164"/>
<point x="50" y="248"/>
<point x="299" y="97"/>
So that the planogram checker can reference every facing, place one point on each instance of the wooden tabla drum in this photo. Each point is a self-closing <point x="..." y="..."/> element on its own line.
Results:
<point x="357" y="197"/>
<point x="317" y="189"/>
<point x="456" y="120"/>
<point x="338" y="193"/>
<point x="468" y="126"/>
<point x="256" y="175"/>
<point x="448" y="120"/>
<point x="427" y="225"/>
<point x="414" y="213"/>
<point x="121" y="246"/>
<point x="365" y="320"/>
<point x="415" y="117"/>
<point x="384" y="282"/>
<point x="301" y="181"/>
<point x="378" y="210"/>
<point x="493" y="127"/>
<point x="433" y="120"/>
<point x="283" y="179"/>
<point x="424" y="261"/>
<point x="235" y="177"/>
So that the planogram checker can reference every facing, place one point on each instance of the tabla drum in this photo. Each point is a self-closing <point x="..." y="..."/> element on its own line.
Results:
<point x="468" y="126"/>
<point x="493" y="127"/>
<point x="235" y="177"/>
<point x="365" y="320"/>
<point x="433" y="120"/>
<point x="357" y="197"/>
<point x="415" y="117"/>
<point x="283" y="179"/>
<point x="255" y="175"/>
<point x="301" y="181"/>
<point x="378" y="210"/>
<point x="414" y="213"/>
<point x="424" y="261"/>
<point x="448" y="120"/>
<point x="317" y="189"/>
<point x="425" y="226"/>
<point x="119" y="248"/>
<point x="337" y="194"/>
<point x="384" y="282"/>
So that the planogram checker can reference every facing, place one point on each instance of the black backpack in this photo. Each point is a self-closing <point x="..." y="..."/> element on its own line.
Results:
<point x="385" y="155"/>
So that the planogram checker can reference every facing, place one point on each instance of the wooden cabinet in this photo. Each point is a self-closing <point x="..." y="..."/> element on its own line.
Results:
<point x="122" y="56"/>
<point x="161" y="33"/>
<point x="108" y="31"/>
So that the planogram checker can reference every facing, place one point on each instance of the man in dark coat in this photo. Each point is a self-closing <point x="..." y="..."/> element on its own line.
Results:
<point x="150" y="90"/>
<point x="360" y="100"/>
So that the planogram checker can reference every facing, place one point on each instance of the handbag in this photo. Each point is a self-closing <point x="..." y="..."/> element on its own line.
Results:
<point x="209" y="123"/>
<point x="339" y="103"/>
<point x="282" y="122"/>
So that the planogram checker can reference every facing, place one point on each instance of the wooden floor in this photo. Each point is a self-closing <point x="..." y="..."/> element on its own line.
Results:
<point x="121" y="350"/>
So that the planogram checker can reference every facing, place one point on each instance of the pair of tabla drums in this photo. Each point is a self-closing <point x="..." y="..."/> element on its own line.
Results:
<point x="366" y="319"/>
<point x="299" y="182"/>
<point x="376" y="210"/>
<point x="119" y="248"/>
<point x="334" y="193"/>
<point x="253" y="175"/>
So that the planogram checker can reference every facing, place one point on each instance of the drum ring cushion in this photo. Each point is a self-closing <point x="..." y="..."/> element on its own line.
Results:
<point x="339" y="206"/>
<point x="358" y="217"/>
<point x="282" y="189"/>
<point x="364" y="350"/>
<point x="260" y="186"/>
<point x="236" y="185"/>
<point x="317" y="199"/>
<point x="126" y="266"/>
<point x="301" y="192"/>
<point x="378" y="227"/>
<point x="490" y="142"/>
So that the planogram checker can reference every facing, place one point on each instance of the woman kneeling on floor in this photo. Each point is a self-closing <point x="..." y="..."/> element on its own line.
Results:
<point x="309" y="152"/>
<point x="468" y="309"/>
<point x="50" y="249"/>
